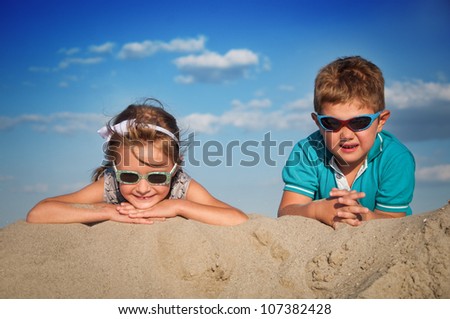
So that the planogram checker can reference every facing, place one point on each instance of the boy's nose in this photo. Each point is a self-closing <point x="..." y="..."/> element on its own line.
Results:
<point x="345" y="133"/>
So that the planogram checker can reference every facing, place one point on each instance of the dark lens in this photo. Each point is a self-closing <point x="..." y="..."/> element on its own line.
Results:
<point x="157" y="178"/>
<point x="331" y="123"/>
<point x="129" y="177"/>
<point x="359" y="123"/>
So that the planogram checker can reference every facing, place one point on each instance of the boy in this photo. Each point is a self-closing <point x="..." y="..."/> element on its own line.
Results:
<point x="350" y="170"/>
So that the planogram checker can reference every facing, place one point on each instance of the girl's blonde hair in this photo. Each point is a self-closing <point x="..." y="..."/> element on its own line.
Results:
<point x="141" y="118"/>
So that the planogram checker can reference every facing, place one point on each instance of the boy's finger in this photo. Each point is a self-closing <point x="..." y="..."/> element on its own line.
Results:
<point x="343" y="192"/>
<point x="354" y="208"/>
<point x="346" y="215"/>
<point x="349" y="201"/>
<point x="338" y="192"/>
<point x="352" y="222"/>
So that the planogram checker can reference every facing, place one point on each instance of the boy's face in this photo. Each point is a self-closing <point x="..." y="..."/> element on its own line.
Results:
<point x="350" y="148"/>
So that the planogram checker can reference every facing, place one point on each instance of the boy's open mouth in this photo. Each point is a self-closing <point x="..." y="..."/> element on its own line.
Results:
<point x="349" y="146"/>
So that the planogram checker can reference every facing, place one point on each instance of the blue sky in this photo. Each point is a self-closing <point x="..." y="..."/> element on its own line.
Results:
<point x="230" y="71"/>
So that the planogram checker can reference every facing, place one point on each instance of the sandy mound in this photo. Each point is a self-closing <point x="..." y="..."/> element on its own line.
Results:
<point x="290" y="257"/>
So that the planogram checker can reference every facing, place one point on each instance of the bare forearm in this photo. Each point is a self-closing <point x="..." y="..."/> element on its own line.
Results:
<point x="62" y="212"/>
<point x="213" y="215"/>
<point x="305" y="210"/>
<point x="378" y="214"/>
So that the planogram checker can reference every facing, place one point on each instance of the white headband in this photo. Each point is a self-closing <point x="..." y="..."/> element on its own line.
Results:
<point x="122" y="128"/>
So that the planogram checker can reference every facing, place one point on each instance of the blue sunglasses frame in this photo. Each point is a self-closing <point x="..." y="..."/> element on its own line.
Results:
<point x="350" y="123"/>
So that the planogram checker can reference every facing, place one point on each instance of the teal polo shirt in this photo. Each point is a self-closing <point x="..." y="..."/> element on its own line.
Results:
<point x="387" y="176"/>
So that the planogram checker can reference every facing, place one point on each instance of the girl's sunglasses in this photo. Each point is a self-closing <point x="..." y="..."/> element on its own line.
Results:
<point x="154" y="178"/>
<point x="356" y="124"/>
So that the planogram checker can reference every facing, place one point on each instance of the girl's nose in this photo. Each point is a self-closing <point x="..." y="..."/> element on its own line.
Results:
<point x="143" y="187"/>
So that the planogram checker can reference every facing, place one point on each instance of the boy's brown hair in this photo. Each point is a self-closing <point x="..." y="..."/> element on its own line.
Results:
<point x="350" y="79"/>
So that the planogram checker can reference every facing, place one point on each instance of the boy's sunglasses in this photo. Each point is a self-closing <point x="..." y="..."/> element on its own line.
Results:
<point x="356" y="124"/>
<point x="154" y="178"/>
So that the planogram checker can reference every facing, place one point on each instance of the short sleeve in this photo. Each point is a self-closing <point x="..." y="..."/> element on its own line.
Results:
<point x="396" y="186"/>
<point x="180" y="185"/>
<point x="300" y="173"/>
<point x="111" y="193"/>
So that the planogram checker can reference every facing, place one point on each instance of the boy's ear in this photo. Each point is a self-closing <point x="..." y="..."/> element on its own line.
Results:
<point x="314" y="117"/>
<point x="382" y="119"/>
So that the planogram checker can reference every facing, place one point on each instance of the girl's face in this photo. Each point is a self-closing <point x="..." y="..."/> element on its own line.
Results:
<point x="144" y="159"/>
<point x="350" y="148"/>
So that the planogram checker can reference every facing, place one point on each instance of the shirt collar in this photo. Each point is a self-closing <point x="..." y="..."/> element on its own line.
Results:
<point x="341" y="181"/>
<point x="376" y="148"/>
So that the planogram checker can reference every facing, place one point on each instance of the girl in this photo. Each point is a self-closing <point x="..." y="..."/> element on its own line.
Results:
<point x="142" y="180"/>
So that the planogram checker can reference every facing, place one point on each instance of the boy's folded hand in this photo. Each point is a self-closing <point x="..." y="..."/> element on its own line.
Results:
<point x="348" y="209"/>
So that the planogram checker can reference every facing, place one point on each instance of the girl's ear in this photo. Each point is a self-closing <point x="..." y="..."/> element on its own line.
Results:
<point x="382" y="119"/>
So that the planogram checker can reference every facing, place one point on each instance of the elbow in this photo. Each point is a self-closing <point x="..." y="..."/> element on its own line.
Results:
<point x="35" y="215"/>
<point x="242" y="219"/>
<point x="239" y="219"/>
<point x="31" y="217"/>
<point x="282" y="211"/>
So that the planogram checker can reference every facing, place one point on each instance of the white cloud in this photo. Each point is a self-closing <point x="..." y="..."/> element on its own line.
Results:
<point x="36" y="188"/>
<point x="441" y="76"/>
<point x="63" y="123"/>
<point x="185" y="45"/>
<point x="139" y="50"/>
<point x="184" y="79"/>
<point x="68" y="61"/>
<point x="254" y="115"/>
<point x="259" y="93"/>
<point x="70" y="51"/>
<point x="232" y="58"/>
<point x="67" y="79"/>
<point x="254" y="119"/>
<point x="80" y="61"/>
<point x="204" y="123"/>
<point x="266" y="65"/>
<point x="106" y="47"/>
<point x="420" y="110"/>
<point x="9" y="122"/>
<point x="69" y="188"/>
<point x="211" y="67"/>
<point x="305" y="104"/>
<point x="416" y="94"/>
<point x="252" y="104"/>
<point x="438" y="173"/>
<point x="286" y="87"/>
<point x="6" y="178"/>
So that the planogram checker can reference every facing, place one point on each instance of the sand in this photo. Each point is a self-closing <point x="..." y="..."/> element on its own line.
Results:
<point x="289" y="257"/>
